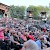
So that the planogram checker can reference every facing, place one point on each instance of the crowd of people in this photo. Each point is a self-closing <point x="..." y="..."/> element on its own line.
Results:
<point x="15" y="35"/>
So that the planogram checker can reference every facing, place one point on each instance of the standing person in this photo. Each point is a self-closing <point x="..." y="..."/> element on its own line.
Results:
<point x="7" y="38"/>
<point x="2" y="45"/>
<point x="48" y="38"/>
<point x="42" y="42"/>
<point x="1" y="34"/>
<point x="20" y="38"/>
<point x="7" y="33"/>
<point x="39" y="44"/>
<point x="45" y="29"/>
<point x="24" y="36"/>
<point x="29" y="36"/>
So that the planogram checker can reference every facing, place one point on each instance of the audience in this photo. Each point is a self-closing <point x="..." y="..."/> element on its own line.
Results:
<point x="16" y="36"/>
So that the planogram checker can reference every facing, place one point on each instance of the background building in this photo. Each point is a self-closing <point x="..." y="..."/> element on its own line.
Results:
<point x="4" y="10"/>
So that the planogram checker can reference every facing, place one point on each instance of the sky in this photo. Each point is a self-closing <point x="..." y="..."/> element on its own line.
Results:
<point x="26" y="2"/>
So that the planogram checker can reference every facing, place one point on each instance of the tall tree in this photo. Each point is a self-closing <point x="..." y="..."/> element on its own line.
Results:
<point x="17" y="12"/>
<point x="42" y="8"/>
<point x="34" y="10"/>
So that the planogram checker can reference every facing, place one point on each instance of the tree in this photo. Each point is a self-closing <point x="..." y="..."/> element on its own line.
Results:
<point x="42" y="8"/>
<point x="22" y="12"/>
<point x="34" y="11"/>
<point x="17" y="12"/>
<point x="49" y="17"/>
<point x="12" y="11"/>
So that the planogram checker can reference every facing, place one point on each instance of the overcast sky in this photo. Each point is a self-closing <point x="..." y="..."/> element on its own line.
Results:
<point x="26" y="2"/>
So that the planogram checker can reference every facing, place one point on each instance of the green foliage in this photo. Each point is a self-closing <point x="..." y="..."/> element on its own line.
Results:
<point x="49" y="17"/>
<point x="34" y="11"/>
<point x="42" y="8"/>
<point x="37" y="9"/>
<point x="17" y="12"/>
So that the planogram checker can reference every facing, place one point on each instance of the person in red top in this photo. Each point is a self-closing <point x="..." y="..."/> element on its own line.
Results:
<point x="23" y="36"/>
<point x="1" y="33"/>
<point x="45" y="30"/>
<point x="30" y="36"/>
<point x="2" y="45"/>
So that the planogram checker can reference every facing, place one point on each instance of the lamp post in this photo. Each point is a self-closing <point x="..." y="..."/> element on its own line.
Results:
<point x="29" y="19"/>
<point x="30" y="16"/>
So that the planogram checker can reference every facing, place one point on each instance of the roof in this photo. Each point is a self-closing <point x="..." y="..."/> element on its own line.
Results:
<point x="4" y="5"/>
